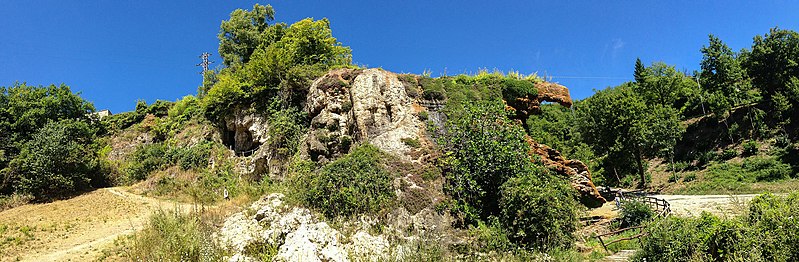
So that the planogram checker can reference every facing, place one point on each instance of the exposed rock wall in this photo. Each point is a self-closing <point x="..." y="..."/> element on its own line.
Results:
<point x="348" y="105"/>
<point x="575" y="170"/>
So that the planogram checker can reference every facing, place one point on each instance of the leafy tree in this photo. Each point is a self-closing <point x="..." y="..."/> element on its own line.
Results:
<point x="265" y="62"/>
<point x="617" y="123"/>
<point x="246" y="31"/>
<point x="722" y="73"/>
<point x="25" y="109"/>
<point x="539" y="210"/>
<point x="662" y="84"/>
<point x="483" y="149"/>
<point x="773" y="65"/>
<point x="57" y="161"/>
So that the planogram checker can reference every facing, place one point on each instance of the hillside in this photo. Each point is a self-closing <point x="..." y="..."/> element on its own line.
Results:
<point x="289" y="151"/>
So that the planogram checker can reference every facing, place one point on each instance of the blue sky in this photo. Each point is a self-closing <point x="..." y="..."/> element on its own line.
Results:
<point x="115" y="52"/>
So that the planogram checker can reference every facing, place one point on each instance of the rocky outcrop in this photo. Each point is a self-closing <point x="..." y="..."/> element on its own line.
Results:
<point x="349" y="105"/>
<point x="575" y="170"/>
<point x="298" y="235"/>
<point x="547" y="92"/>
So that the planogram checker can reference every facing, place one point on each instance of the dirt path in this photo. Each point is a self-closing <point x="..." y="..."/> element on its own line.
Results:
<point x="694" y="205"/>
<point x="76" y="229"/>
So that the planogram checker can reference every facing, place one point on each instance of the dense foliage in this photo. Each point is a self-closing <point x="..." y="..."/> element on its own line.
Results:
<point x="357" y="183"/>
<point x="58" y="161"/>
<point x="489" y="175"/>
<point x="46" y="141"/>
<point x="269" y="63"/>
<point x="767" y="233"/>
<point x="624" y="129"/>
<point x="538" y="211"/>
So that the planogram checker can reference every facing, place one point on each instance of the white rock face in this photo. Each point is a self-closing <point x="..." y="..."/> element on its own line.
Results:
<point x="369" y="105"/>
<point x="368" y="247"/>
<point x="299" y="235"/>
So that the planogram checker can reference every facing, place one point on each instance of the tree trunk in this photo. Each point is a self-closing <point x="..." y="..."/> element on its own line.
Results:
<point x="639" y="159"/>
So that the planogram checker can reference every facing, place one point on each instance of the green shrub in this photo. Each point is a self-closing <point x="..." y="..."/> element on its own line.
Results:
<point x="411" y="142"/>
<point x="58" y="161"/>
<point x="689" y="177"/>
<point x="151" y="157"/>
<point x="674" y="177"/>
<point x="635" y="213"/>
<point x="767" y="168"/>
<point x="146" y="159"/>
<point x="354" y="184"/>
<point x="482" y="150"/>
<point x="175" y="236"/>
<point x="728" y="154"/>
<point x="707" y="157"/>
<point x="767" y="233"/>
<point x="750" y="148"/>
<point x="285" y="129"/>
<point x="539" y="212"/>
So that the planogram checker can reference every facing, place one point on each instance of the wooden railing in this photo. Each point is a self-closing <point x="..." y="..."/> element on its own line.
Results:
<point x="660" y="206"/>
<point x="636" y="236"/>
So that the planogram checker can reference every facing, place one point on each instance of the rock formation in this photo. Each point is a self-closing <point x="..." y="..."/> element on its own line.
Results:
<point x="348" y="105"/>
<point x="575" y="170"/>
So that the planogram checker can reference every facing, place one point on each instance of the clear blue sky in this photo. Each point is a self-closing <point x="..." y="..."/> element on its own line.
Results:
<point x="116" y="52"/>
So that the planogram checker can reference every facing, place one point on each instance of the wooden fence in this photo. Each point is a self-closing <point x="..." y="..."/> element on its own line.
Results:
<point x="660" y="206"/>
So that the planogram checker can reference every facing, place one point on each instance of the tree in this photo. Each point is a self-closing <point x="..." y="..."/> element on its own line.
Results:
<point x="246" y="31"/>
<point x="773" y="65"/>
<point x="280" y="66"/>
<point x="25" y="109"/>
<point x="722" y="72"/>
<point x="640" y="71"/>
<point x="483" y="149"/>
<point x="664" y="85"/>
<point x="619" y="124"/>
<point x="57" y="161"/>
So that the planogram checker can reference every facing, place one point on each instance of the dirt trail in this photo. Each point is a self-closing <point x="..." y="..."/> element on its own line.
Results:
<point x="76" y="229"/>
<point x="694" y="205"/>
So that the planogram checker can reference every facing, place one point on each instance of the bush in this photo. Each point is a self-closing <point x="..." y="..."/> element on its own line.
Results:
<point x="635" y="213"/>
<point x="767" y="233"/>
<point x="57" y="161"/>
<point x="483" y="149"/>
<point x="674" y="177"/>
<point x="539" y="212"/>
<point x="175" y="236"/>
<point x="728" y="154"/>
<point x="354" y="184"/>
<point x="767" y="169"/>
<point x="750" y="148"/>
<point x="689" y="177"/>
<point x="151" y="157"/>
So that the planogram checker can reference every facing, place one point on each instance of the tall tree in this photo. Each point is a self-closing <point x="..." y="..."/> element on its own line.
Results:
<point x="662" y="84"/>
<point x="245" y="31"/>
<point x="640" y="71"/>
<point x="773" y="65"/>
<point x="619" y="124"/>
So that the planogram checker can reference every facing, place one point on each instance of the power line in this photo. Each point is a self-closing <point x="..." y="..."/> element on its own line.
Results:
<point x="588" y="77"/>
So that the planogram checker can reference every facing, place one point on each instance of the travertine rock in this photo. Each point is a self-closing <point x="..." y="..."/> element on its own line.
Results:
<point x="575" y="170"/>
<point x="348" y="105"/>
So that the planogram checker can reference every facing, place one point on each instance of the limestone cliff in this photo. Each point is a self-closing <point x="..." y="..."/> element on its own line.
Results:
<point x="349" y="106"/>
